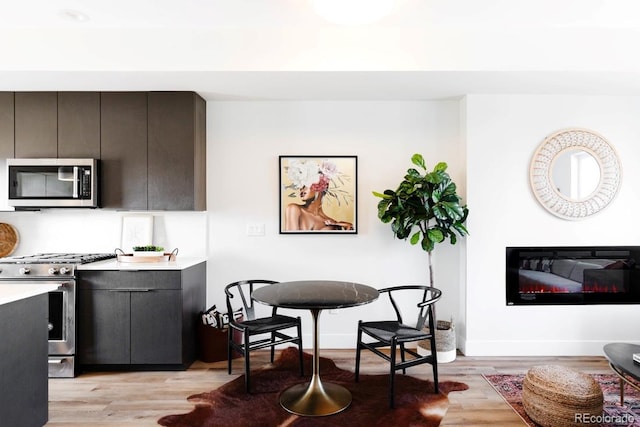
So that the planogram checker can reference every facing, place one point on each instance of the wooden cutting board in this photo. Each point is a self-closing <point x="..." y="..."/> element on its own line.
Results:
<point x="8" y="239"/>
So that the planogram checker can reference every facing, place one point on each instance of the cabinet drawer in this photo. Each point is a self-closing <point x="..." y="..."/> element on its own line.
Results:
<point x="132" y="280"/>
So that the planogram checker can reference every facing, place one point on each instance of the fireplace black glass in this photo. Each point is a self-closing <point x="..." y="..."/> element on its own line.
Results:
<point x="573" y="275"/>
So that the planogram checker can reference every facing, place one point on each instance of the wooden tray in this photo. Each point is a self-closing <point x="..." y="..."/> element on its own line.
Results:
<point x="166" y="256"/>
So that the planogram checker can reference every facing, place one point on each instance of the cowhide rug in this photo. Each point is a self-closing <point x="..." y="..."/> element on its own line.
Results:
<point x="230" y="406"/>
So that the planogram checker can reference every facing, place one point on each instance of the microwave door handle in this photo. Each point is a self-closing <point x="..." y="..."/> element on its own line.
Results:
<point x="76" y="183"/>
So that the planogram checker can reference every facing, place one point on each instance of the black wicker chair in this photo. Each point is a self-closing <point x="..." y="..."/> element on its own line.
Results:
<point x="395" y="333"/>
<point x="238" y="296"/>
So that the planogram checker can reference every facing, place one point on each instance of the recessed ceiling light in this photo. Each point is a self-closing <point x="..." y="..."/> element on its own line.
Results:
<point x="353" y="12"/>
<point x="74" y="15"/>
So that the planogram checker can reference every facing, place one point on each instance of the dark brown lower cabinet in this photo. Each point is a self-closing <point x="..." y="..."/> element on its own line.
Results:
<point x="24" y="387"/>
<point x="139" y="319"/>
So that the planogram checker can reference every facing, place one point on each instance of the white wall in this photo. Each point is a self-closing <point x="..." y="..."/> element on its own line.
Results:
<point x="488" y="142"/>
<point x="99" y="230"/>
<point x="245" y="140"/>
<point x="502" y="134"/>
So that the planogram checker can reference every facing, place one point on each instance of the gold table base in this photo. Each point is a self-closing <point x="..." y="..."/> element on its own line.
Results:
<point x="315" y="398"/>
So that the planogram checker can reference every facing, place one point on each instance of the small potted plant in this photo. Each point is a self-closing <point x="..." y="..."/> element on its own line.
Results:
<point x="426" y="209"/>
<point x="148" y="250"/>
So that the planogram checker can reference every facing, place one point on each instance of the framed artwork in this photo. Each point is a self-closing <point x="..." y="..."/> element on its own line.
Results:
<point x="318" y="194"/>
<point x="137" y="230"/>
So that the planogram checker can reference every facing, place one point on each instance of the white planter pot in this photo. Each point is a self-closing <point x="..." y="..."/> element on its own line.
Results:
<point x="445" y="343"/>
<point x="442" y="356"/>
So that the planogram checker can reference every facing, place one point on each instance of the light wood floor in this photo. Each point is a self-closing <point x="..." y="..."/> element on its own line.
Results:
<point x="141" y="398"/>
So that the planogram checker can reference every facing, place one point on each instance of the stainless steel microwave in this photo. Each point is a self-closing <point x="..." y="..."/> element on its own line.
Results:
<point x="52" y="183"/>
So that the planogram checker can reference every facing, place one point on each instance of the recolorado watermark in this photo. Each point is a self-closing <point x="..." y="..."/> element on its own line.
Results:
<point x="622" y="419"/>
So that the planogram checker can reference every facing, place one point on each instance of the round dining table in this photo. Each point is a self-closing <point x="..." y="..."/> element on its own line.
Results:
<point x="315" y="398"/>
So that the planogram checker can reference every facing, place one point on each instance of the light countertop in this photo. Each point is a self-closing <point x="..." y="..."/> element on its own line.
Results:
<point x="180" y="263"/>
<point x="11" y="292"/>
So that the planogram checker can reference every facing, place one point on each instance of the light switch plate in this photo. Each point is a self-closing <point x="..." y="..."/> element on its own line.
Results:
<point x="255" y="229"/>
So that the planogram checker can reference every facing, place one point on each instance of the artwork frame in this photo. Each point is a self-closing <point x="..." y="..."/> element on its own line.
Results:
<point x="137" y="230"/>
<point x="318" y="194"/>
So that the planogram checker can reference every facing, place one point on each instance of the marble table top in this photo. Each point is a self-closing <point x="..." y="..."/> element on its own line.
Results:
<point x="315" y="294"/>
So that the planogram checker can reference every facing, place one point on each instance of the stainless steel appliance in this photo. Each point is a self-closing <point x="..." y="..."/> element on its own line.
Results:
<point x="47" y="183"/>
<point x="60" y="269"/>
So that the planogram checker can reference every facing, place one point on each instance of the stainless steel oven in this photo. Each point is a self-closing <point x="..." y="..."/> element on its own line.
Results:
<point x="58" y="269"/>
<point x="62" y="329"/>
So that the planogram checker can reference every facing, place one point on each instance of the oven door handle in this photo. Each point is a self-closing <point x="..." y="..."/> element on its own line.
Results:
<point x="130" y="290"/>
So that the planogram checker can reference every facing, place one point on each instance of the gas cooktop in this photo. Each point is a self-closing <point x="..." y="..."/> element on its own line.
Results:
<point x="58" y="258"/>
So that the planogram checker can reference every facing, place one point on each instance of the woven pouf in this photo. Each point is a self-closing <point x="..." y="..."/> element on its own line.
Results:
<point x="555" y="396"/>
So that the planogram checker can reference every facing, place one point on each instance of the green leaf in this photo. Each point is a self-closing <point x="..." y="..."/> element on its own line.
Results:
<point x="440" y="167"/>
<point x="427" y="244"/>
<point x="461" y="229"/>
<point x="453" y="210"/>
<point x="412" y="174"/>
<point x="435" y="177"/>
<point x="402" y="232"/>
<point x="382" y="196"/>
<point x="439" y="212"/>
<point x="465" y="214"/>
<point x="435" y="195"/>
<point x="382" y="207"/>
<point x="450" y="189"/>
<point x="435" y="235"/>
<point x="415" y="238"/>
<point x="418" y="160"/>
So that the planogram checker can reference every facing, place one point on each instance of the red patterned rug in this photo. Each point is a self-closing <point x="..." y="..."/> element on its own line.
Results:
<point x="229" y="405"/>
<point x="510" y="388"/>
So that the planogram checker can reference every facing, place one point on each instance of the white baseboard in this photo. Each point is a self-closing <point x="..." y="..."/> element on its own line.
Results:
<point x="486" y="348"/>
<point x="535" y="348"/>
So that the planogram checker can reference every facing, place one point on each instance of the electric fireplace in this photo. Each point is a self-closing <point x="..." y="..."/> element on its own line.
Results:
<point x="573" y="275"/>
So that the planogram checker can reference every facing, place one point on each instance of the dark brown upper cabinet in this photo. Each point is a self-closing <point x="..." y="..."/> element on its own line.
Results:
<point x="177" y="151"/>
<point x="151" y="145"/>
<point x="36" y="124"/>
<point x="123" y="157"/>
<point x="79" y="125"/>
<point x="7" y="121"/>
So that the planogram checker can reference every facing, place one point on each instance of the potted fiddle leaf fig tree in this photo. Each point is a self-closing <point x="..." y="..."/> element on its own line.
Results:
<point x="426" y="210"/>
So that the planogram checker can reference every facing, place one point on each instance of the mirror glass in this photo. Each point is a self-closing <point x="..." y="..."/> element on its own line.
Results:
<point x="575" y="174"/>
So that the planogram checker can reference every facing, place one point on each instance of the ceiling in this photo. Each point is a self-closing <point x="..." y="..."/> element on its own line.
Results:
<point x="280" y="49"/>
<point x="299" y="13"/>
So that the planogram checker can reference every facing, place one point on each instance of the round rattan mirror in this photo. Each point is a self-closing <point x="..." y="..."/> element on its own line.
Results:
<point x="575" y="173"/>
